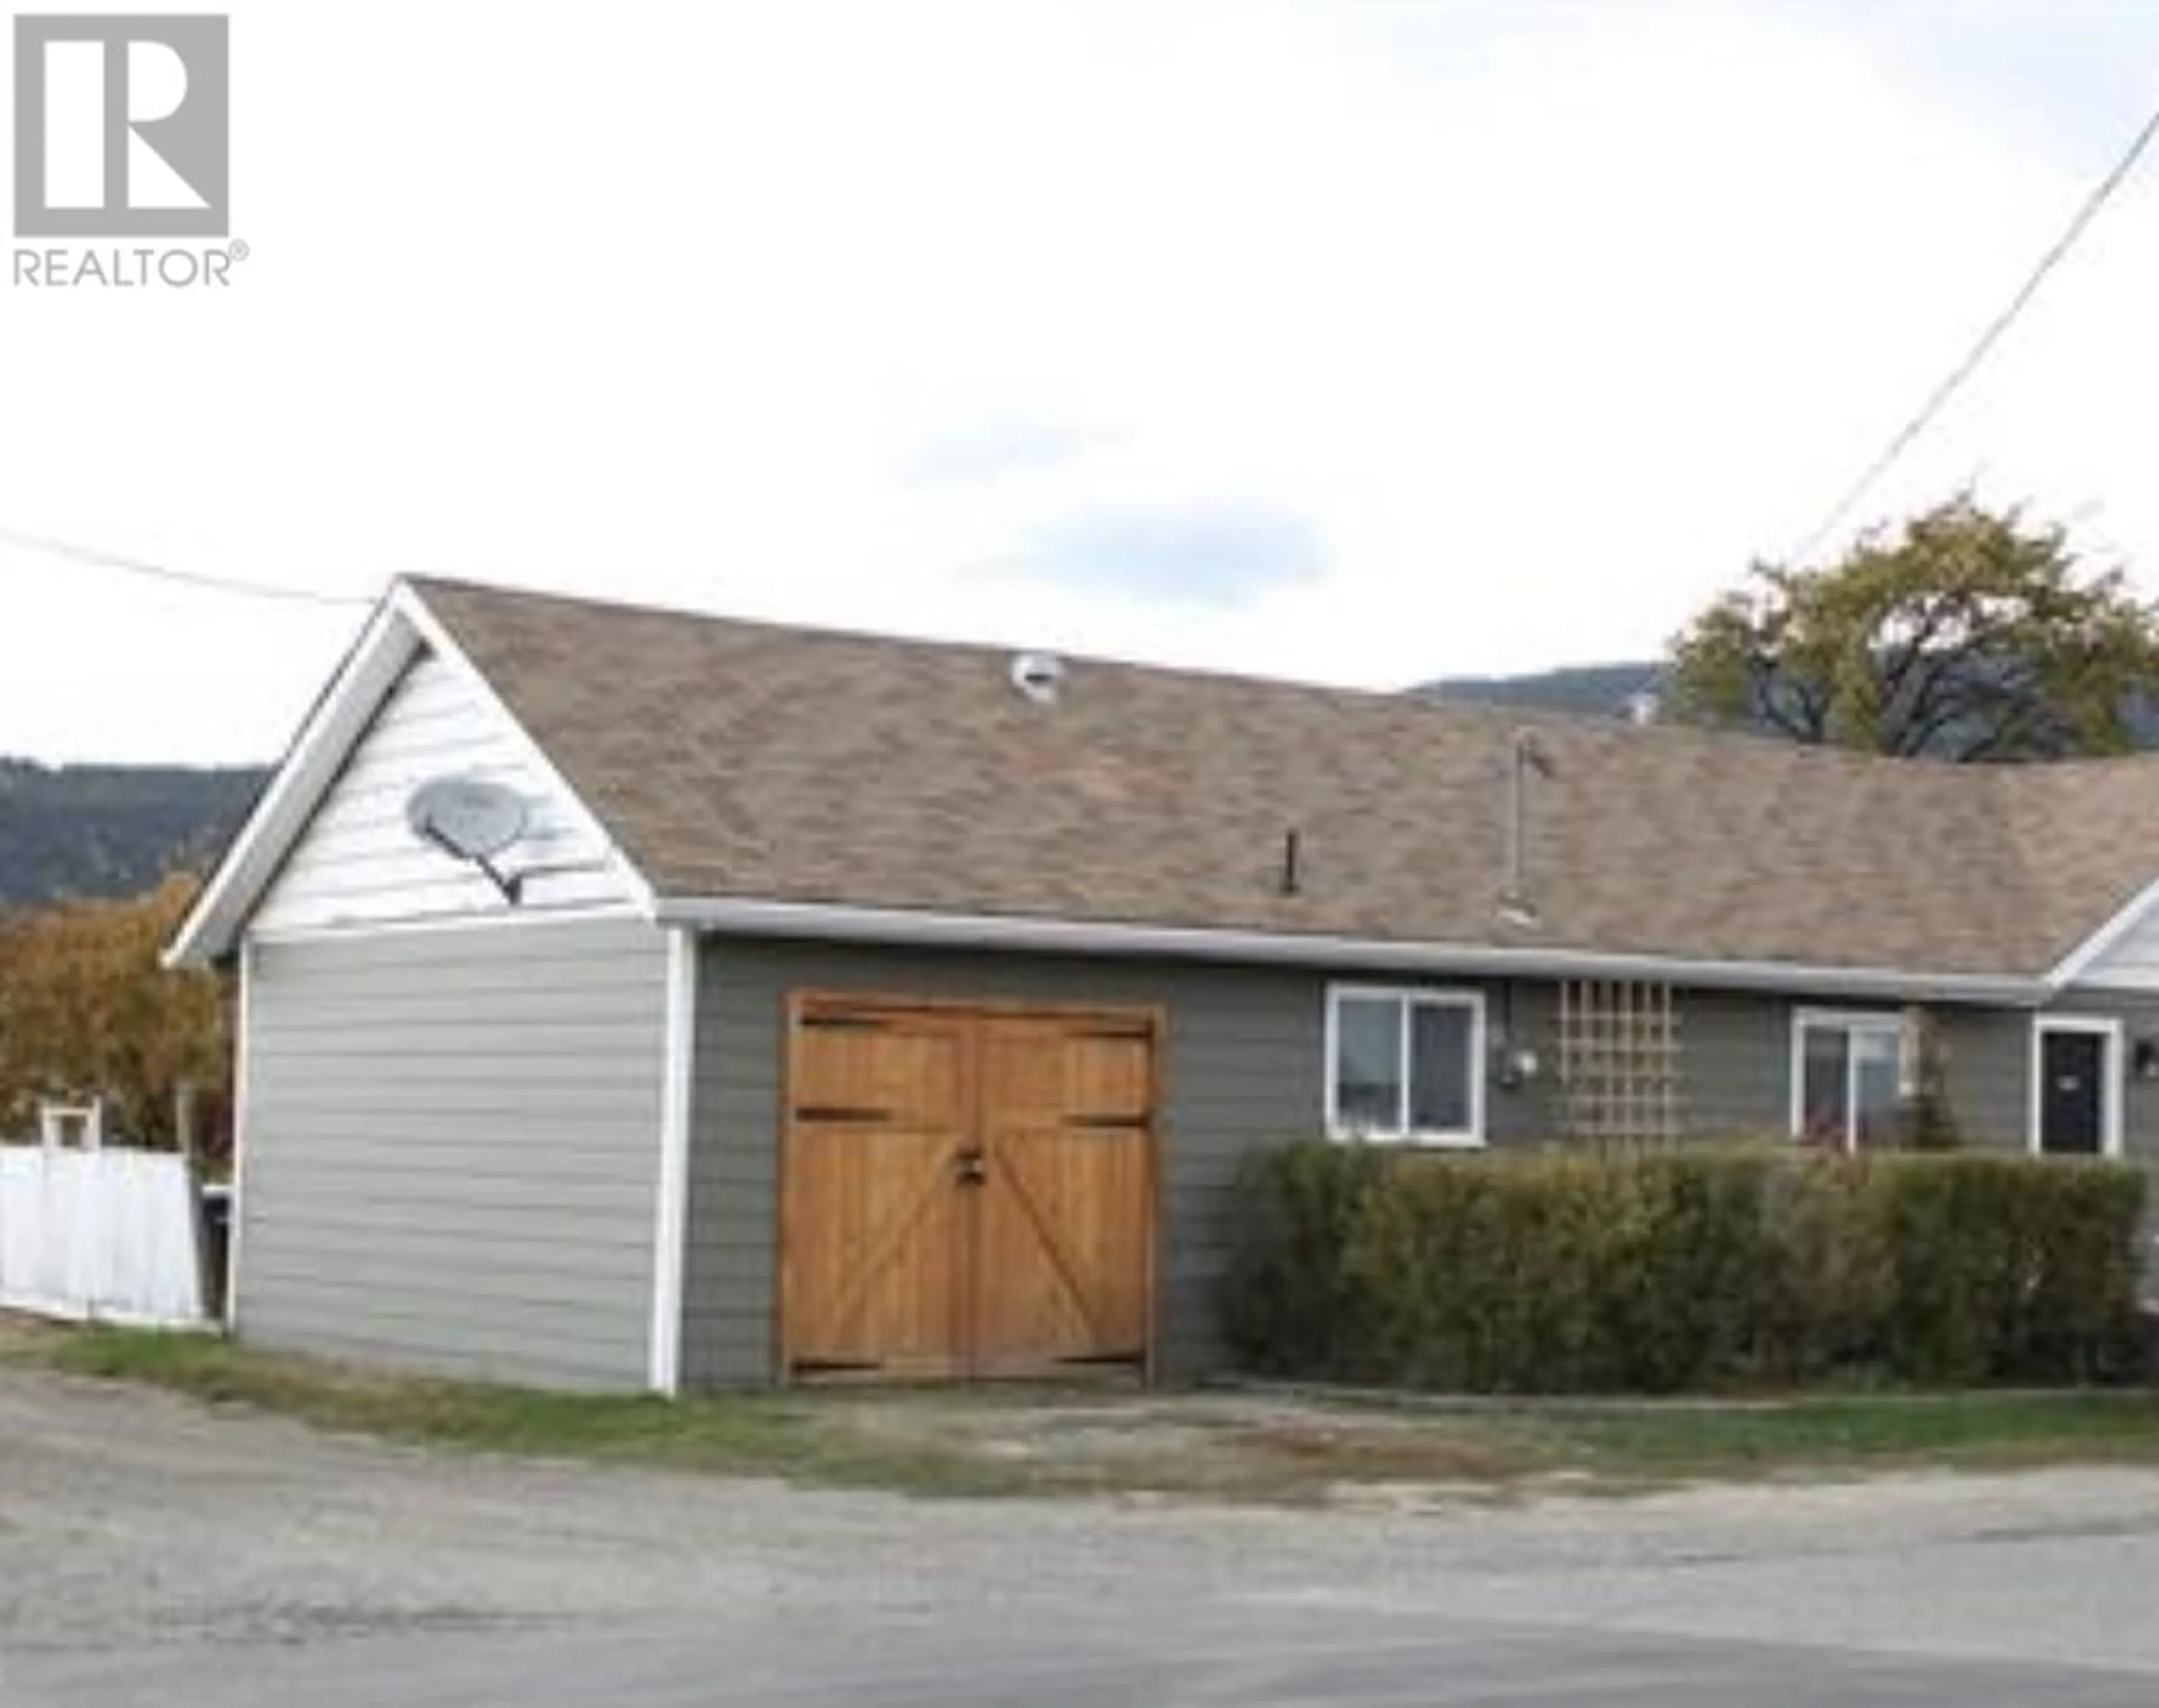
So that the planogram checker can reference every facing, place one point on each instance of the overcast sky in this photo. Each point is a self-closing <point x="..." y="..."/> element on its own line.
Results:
<point x="1356" y="342"/>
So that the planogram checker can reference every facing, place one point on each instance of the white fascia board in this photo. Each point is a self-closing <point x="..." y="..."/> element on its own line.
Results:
<point x="923" y="929"/>
<point x="409" y="603"/>
<point x="525" y="917"/>
<point x="2078" y="961"/>
<point x="339" y="718"/>
<point x="2135" y="983"/>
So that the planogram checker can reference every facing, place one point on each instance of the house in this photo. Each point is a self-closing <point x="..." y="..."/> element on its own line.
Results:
<point x="869" y="1007"/>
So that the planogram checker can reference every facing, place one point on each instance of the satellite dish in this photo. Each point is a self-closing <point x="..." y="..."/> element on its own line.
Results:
<point x="469" y="816"/>
<point x="469" y="819"/>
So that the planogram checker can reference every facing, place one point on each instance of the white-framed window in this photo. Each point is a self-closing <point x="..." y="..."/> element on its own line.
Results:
<point x="2075" y="1084"/>
<point x="1848" y="1077"/>
<point x="1405" y="1065"/>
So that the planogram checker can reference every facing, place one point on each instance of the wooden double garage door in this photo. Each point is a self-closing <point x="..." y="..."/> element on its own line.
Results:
<point x="966" y="1192"/>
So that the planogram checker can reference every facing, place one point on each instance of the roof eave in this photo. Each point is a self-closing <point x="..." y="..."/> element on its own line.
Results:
<point x="2077" y="966"/>
<point x="336" y="721"/>
<point x="910" y="927"/>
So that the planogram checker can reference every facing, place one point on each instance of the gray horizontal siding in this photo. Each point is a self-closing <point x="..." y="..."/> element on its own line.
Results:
<point x="1734" y="1065"/>
<point x="1986" y="1060"/>
<point x="1244" y="1068"/>
<point x="1241" y="1068"/>
<point x="1735" y="1070"/>
<point x="451" y="1147"/>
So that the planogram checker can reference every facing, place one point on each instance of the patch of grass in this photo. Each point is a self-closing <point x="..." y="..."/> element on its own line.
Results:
<point x="1226" y="1447"/>
<point x="1883" y="1430"/>
<point x="773" y="1435"/>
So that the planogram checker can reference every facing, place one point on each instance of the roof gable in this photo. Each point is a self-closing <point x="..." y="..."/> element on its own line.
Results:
<point x="357" y="862"/>
<point x="325" y="844"/>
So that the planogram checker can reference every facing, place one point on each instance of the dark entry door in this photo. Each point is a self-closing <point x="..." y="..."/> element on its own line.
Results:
<point x="2072" y="1070"/>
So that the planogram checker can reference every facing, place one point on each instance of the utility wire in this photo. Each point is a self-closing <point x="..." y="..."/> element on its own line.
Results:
<point x="1939" y="397"/>
<point x="180" y="577"/>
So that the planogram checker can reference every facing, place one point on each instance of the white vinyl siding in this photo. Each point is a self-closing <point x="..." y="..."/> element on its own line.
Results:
<point x="358" y="861"/>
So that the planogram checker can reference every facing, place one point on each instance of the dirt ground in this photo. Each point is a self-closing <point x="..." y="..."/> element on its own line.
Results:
<point x="131" y="1519"/>
<point x="19" y="1332"/>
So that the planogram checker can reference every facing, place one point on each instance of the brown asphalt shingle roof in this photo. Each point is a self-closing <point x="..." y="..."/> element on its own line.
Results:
<point x="744" y="760"/>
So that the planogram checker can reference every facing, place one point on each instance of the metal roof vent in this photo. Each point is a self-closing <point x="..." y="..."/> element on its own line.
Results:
<point x="1526" y="755"/>
<point x="1039" y="677"/>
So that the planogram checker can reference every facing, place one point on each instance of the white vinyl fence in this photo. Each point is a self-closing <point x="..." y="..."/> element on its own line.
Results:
<point x="92" y="1231"/>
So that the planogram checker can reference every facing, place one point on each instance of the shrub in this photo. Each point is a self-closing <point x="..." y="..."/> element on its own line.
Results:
<point x="2009" y="1269"/>
<point x="1823" y="1278"/>
<point x="1286" y="1297"/>
<point x="1544" y="1271"/>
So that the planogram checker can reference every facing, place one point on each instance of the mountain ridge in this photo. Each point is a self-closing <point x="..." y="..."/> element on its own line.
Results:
<point x="1592" y="690"/>
<point x="86" y="832"/>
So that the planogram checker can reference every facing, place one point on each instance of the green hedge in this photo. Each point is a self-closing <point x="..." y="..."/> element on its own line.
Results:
<point x="1543" y="1272"/>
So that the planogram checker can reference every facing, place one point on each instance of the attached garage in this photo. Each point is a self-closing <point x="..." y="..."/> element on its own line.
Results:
<point x="630" y="997"/>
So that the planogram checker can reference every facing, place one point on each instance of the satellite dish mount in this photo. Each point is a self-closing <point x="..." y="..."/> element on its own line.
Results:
<point x="472" y="821"/>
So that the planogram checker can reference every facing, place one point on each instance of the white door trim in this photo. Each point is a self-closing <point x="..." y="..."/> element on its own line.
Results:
<point x="2102" y="1025"/>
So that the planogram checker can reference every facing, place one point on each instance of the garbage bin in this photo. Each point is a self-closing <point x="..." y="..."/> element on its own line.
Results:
<point x="216" y="1243"/>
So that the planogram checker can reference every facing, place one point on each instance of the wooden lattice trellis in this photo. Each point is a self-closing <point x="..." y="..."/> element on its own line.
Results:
<point x="1618" y="1063"/>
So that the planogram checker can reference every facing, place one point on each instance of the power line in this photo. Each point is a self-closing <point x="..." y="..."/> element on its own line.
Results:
<point x="180" y="577"/>
<point x="1940" y="395"/>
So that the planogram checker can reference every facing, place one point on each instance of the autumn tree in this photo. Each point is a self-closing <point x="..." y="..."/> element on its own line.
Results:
<point x="86" y="1011"/>
<point x="1969" y="633"/>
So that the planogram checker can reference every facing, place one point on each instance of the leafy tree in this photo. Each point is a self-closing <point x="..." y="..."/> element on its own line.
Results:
<point x="86" y="1011"/>
<point x="1969" y="634"/>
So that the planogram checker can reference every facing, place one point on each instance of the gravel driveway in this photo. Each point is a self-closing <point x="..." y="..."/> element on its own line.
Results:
<point x="153" y="1549"/>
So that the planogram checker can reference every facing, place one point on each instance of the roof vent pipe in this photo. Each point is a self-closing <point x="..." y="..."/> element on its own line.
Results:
<point x="1525" y="755"/>
<point x="1038" y="677"/>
